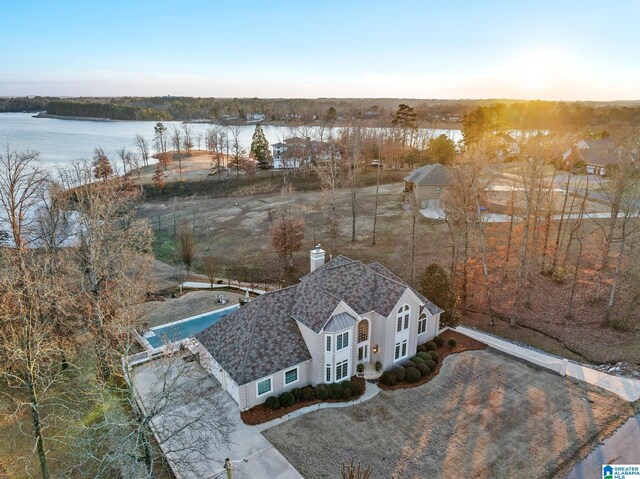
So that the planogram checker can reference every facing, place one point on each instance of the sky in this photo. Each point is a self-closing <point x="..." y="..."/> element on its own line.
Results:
<point x="550" y="50"/>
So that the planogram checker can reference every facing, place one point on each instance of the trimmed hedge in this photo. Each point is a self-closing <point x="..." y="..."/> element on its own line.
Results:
<point x="388" y="378"/>
<point x="408" y="364"/>
<point x="417" y="360"/>
<point x="347" y="389"/>
<point x="424" y="355"/>
<point x="287" y="399"/>
<point x="431" y="363"/>
<point x="357" y="388"/>
<point x="335" y="391"/>
<point x="439" y="341"/>
<point x="434" y="355"/>
<point x="431" y="346"/>
<point x="421" y="348"/>
<point x="307" y="394"/>
<point x="399" y="371"/>
<point x="452" y="343"/>
<point x="322" y="392"/>
<point x="413" y="375"/>
<point x="424" y="369"/>
<point x="273" y="402"/>
<point x="297" y="393"/>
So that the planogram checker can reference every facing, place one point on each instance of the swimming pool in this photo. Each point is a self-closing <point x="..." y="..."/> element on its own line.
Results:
<point x="186" y="328"/>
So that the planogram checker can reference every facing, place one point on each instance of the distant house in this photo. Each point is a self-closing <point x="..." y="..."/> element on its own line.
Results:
<point x="342" y="314"/>
<point x="596" y="155"/>
<point x="428" y="183"/>
<point x="255" y="117"/>
<point x="295" y="152"/>
<point x="507" y="145"/>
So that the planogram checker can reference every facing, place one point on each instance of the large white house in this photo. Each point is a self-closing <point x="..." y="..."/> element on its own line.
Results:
<point x="343" y="313"/>
<point x="295" y="152"/>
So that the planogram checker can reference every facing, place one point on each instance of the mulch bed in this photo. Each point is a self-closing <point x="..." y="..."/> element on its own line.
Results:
<point x="464" y="343"/>
<point x="260" y="414"/>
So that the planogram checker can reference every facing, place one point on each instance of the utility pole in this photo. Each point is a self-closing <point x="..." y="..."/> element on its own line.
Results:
<point x="228" y="467"/>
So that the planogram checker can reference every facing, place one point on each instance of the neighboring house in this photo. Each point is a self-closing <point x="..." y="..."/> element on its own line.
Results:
<point x="255" y="117"/>
<point x="428" y="183"/>
<point x="507" y="145"/>
<point x="596" y="155"/>
<point x="343" y="313"/>
<point x="295" y="152"/>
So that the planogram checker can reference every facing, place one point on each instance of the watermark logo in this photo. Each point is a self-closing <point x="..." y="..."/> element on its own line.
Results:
<point x="621" y="471"/>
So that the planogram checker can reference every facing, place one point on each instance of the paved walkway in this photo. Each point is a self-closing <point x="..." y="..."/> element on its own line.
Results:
<point x="371" y="391"/>
<point x="628" y="389"/>
<point x="203" y="285"/>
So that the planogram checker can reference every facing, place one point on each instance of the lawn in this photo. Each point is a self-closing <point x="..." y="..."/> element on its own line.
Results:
<point x="485" y="415"/>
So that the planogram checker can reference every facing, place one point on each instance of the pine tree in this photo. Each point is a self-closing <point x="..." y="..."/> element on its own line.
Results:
<point x="260" y="149"/>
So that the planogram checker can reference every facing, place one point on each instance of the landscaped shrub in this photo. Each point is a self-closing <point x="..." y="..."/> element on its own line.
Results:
<point x="360" y="368"/>
<point x="439" y="341"/>
<point x="399" y="371"/>
<point x="388" y="378"/>
<point x="287" y="399"/>
<point x="322" y="392"/>
<point x="431" y="363"/>
<point x="307" y="394"/>
<point x="297" y="392"/>
<point x="417" y="360"/>
<point x="347" y="389"/>
<point x="335" y="391"/>
<point x="378" y="366"/>
<point x="424" y="369"/>
<point x="408" y="364"/>
<point x="424" y="355"/>
<point x="434" y="356"/>
<point x="431" y="346"/>
<point x="413" y="375"/>
<point x="357" y="388"/>
<point x="273" y="402"/>
<point x="421" y="348"/>
<point x="452" y="343"/>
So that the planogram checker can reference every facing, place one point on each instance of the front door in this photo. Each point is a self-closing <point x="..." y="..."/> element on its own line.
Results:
<point x="363" y="353"/>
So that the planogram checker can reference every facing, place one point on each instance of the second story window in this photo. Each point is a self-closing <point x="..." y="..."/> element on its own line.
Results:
<point x="404" y="313"/>
<point x="328" y="343"/>
<point x="342" y="341"/>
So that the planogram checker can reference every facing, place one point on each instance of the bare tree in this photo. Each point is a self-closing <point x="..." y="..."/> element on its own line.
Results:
<point x="186" y="245"/>
<point x="287" y="234"/>
<point x="351" y="139"/>
<point x="176" y="143"/>
<point x="188" y="138"/>
<point x="143" y="149"/>
<point x="210" y="266"/>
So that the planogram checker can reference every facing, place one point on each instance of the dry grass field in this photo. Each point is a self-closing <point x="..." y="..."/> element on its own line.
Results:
<point x="484" y="416"/>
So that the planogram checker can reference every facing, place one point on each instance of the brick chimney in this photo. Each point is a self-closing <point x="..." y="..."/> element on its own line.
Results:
<point x="317" y="258"/>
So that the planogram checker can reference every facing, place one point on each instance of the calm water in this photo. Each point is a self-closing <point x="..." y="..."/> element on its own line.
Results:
<point x="63" y="141"/>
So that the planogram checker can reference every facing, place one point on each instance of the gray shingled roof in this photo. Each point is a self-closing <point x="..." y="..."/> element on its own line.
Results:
<point x="600" y="152"/>
<point x="262" y="337"/>
<point x="258" y="339"/>
<point x="433" y="175"/>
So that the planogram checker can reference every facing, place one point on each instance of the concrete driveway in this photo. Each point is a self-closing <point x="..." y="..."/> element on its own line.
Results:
<point x="189" y="406"/>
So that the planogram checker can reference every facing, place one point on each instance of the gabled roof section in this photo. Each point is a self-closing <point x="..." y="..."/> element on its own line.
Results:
<point x="339" y="322"/>
<point x="257" y="340"/>
<point x="433" y="175"/>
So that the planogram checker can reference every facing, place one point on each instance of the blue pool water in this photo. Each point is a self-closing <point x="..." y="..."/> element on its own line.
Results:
<point x="187" y="327"/>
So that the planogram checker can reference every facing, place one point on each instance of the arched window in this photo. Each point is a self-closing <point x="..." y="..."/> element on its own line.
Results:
<point x="363" y="330"/>
<point x="422" y="323"/>
<point x="404" y="312"/>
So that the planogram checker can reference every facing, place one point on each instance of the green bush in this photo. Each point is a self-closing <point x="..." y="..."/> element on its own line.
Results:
<point x="439" y="341"/>
<point x="347" y="389"/>
<point x="273" y="402"/>
<point x="417" y="360"/>
<point x="413" y="375"/>
<point x="297" y="393"/>
<point x="421" y="348"/>
<point x="424" y="369"/>
<point x="423" y="355"/>
<point x="378" y="366"/>
<point x="388" y="378"/>
<point x="322" y="392"/>
<point x="400" y="372"/>
<point x="357" y="388"/>
<point x="434" y="355"/>
<point x="287" y="399"/>
<point x="335" y="391"/>
<point x="408" y="364"/>
<point x="452" y="343"/>
<point x="431" y="363"/>
<point x="307" y="394"/>
<point x="431" y="346"/>
<point x="360" y="368"/>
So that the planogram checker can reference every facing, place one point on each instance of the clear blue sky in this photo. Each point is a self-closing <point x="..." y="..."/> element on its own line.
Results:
<point x="563" y="49"/>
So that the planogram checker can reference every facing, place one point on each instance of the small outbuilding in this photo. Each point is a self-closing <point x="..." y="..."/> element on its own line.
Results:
<point x="428" y="183"/>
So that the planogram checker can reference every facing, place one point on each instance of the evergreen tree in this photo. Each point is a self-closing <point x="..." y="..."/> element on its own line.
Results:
<point x="260" y="149"/>
<point x="441" y="150"/>
<point x="436" y="285"/>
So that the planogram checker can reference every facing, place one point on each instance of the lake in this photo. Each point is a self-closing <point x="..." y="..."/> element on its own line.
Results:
<point x="60" y="142"/>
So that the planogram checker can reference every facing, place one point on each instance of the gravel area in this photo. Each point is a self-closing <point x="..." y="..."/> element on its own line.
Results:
<point x="484" y="415"/>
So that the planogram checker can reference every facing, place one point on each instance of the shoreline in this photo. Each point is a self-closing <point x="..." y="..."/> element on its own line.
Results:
<point x="81" y="118"/>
